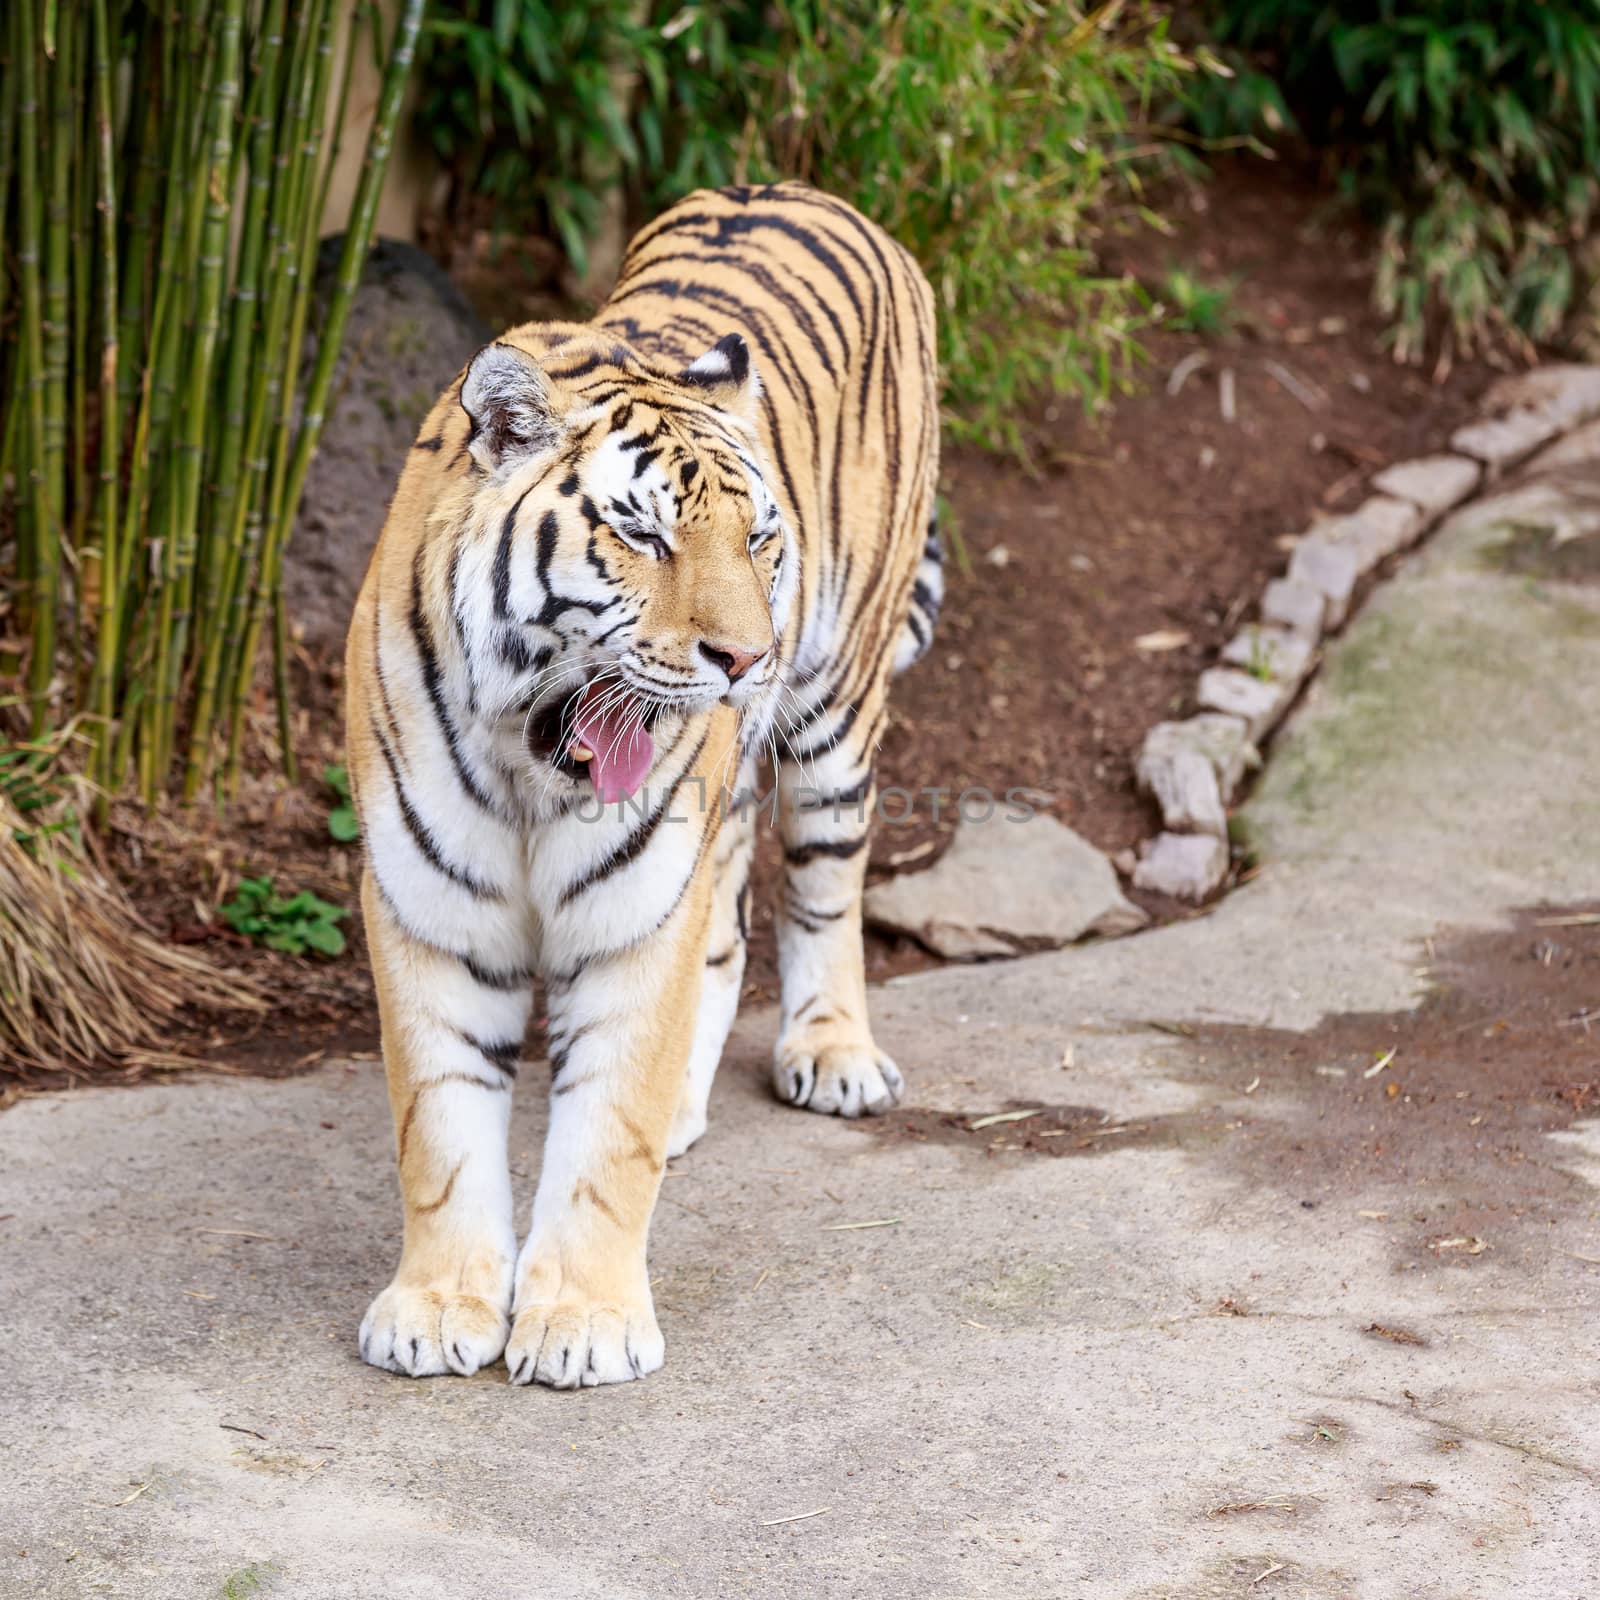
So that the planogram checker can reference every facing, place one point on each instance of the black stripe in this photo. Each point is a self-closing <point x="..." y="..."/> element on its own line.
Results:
<point x="503" y="1054"/>
<point x="433" y="683"/>
<point x="852" y="796"/>
<point x="841" y="849"/>
<point x="505" y="982"/>
<point x="420" y="835"/>
<point x="502" y="559"/>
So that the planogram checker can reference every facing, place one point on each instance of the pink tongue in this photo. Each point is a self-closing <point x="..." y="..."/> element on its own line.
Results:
<point x="608" y="723"/>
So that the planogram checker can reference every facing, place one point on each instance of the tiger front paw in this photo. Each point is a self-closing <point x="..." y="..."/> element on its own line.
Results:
<point x="849" y="1079"/>
<point x="576" y="1343"/>
<point x="424" y="1333"/>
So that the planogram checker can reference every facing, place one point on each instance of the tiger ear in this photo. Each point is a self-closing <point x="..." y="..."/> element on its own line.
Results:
<point x="726" y="377"/>
<point x="504" y="394"/>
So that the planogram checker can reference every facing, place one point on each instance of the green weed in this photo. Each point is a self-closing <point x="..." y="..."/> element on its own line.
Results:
<point x="1194" y="305"/>
<point x="343" y="824"/>
<point x="293" y="924"/>
<point x="256" y="1579"/>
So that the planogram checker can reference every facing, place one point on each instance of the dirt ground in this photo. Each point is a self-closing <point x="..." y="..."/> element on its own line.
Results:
<point x="1084" y="596"/>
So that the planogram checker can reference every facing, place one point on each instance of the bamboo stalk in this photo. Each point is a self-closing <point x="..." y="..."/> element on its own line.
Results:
<point x="43" y="547"/>
<point x="142" y="157"/>
<point x="221" y="569"/>
<point x="81" y="261"/>
<point x="8" y="148"/>
<point x="57" y="253"/>
<point x="152" y="477"/>
<point x="103" y="687"/>
<point x="211" y="205"/>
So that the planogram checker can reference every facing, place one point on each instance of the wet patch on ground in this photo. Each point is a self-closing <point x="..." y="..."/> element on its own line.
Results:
<point x="1447" y="1105"/>
<point x="1028" y="1127"/>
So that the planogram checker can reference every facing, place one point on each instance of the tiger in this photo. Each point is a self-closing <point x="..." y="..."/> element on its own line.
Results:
<point x="631" y="567"/>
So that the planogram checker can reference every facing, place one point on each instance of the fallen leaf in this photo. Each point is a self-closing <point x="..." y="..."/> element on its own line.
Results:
<point x="1162" y="640"/>
<point x="1001" y="1116"/>
<point x="1394" y="1335"/>
<point x="1382" y="1061"/>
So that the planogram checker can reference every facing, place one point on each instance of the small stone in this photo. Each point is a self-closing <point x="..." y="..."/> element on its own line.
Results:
<point x="1276" y="654"/>
<point x="1379" y="527"/>
<point x="1296" y="606"/>
<point x="1125" y="861"/>
<point x="1330" y="568"/>
<point x="1222" y="740"/>
<point x="998" y="556"/>
<point x="1187" y="866"/>
<point x="1580" y="448"/>
<point x="1431" y="483"/>
<point x="1183" y="783"/>
<point x="1003" y="887"/>
<point x="1257" y="704"/>
<point x="1501" y="442"/>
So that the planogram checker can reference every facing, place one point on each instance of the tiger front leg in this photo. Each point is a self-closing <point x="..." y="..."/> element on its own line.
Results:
<point x="826" y="1059"/>
<point x="620" y="1033"/>
<point x="452" y="1032"/>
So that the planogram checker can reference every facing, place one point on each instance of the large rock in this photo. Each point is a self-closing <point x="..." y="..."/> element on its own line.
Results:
<point x="408" y="335"/>
<point x="1004" y="887"/>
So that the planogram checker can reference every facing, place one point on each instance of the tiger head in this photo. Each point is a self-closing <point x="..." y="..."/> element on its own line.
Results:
<point x="641" y="567"/>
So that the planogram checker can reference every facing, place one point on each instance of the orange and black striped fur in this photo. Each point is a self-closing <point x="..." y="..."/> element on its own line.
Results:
<point x="625" y="562"/>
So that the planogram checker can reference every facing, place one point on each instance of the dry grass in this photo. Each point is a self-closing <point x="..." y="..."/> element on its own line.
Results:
<point x="83" y="981"/>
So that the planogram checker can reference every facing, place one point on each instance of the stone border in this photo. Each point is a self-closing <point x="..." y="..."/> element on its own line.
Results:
<point x="1193" y="769"/>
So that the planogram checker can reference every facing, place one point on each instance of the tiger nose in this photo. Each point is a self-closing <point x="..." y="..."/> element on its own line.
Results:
<point x="733" y="661"/>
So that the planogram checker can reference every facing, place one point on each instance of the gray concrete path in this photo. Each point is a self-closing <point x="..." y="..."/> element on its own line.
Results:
<point x="1136" y="1370"/>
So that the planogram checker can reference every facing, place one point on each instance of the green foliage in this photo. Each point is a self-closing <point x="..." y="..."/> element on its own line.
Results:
<point x="992" y="138"/>
<point x="343" y="824"/>
<point x="546" y="108"/>
<point x="1194" y="305"/>
<point x="1472" y="128"/>
<point x="294" y="923"/>
<point x="996" y="139"/>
